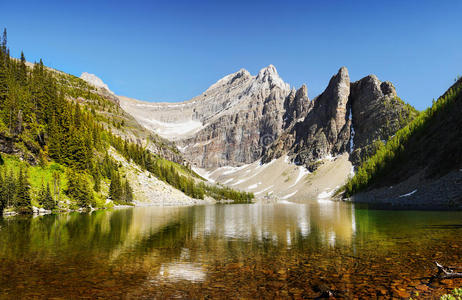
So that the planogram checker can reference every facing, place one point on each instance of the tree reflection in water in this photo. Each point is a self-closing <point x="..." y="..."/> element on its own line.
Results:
<point x="227" y="251"/>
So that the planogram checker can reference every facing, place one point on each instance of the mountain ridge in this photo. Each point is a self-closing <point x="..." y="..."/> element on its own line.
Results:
<point x="262" y="114"/>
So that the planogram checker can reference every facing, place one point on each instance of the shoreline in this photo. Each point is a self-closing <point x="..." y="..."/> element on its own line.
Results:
<point x="38" y="211"/>
<point x="444" y="193"/>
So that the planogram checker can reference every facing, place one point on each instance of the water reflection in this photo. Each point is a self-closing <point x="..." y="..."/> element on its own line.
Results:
<point x="224" y="251"/>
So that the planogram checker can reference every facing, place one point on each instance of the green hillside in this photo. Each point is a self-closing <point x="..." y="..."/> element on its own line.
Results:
<point x="430" y="145"/>
<point x="56" y="125"/>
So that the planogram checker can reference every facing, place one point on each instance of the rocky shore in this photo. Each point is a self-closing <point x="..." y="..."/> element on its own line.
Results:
<point x="444" y="193"/>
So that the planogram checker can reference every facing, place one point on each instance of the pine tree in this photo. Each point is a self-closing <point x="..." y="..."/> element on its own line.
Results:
<point x="4" y="41"/>
<point x="23" y="200"/>
<point x="128" y="192"/>
<point x="54" y="140"/>
<point x="3" y="80"/>
<point x="22" y="74"/>
<point x="57" y="185"/>
<point x="48" y="202"/>
<point x="115" y="189"/>
<point x="9" y="188"/>
<point x="2" y="194"/>
<point x="79" y="190"/>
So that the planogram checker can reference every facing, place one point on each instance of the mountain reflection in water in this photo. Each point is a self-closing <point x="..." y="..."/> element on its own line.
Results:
<point x="228" y="251"/>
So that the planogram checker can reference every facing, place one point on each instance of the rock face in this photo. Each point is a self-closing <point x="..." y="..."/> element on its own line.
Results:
<point x="325" y="130"/>
<point x="101" y="87"/>
<point x="377" y="114"/>
<point x="242" y="118"/>
<point x="95" y="81"/>
<point x="346" y="117"/>
<point x="229" y="124"/>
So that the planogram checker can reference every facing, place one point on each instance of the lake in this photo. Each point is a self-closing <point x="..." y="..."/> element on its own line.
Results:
<point x="229" y="251"/>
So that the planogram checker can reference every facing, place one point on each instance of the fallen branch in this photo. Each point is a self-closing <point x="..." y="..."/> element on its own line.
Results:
<point x="446" y="272"/>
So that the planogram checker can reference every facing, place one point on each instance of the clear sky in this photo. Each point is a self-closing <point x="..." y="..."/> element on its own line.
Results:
<point x="173" y="50"/>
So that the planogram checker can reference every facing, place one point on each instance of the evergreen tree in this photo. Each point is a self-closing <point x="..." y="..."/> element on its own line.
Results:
<point x="4" y="41"/>
<point x="23" y="200"/>
<point x="128" y="192"/>
<point x="115" y="189"/>
<point x="2" y="195"/>
<point x="48" y="202"/>
<point x="78" y="189"/>
<point x="22" y="74"/>
<point x="9" y="188"/>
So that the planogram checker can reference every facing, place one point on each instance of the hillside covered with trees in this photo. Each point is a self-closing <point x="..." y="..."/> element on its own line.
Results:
<point x="55" y="132"/>
<point x="429" y="148"/>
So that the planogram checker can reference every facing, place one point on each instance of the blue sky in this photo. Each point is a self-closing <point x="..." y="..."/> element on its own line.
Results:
<point x="173" y="50"/>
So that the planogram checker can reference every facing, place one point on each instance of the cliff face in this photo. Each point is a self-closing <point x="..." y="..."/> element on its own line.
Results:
<point x="377" y="114"/>
<point x="229" y="124"/>
<point x="346" y="117"/>
<point x="242" y="118"/>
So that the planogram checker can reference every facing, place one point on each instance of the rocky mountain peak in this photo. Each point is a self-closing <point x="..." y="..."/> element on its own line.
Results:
<point x="302" y="92"/>
<point x="231" y="79"/>
<point x="95" y="81"/>
<point x="268" y="71"/>
<point x="270" y="76"/>
<point x="377" y="114"/>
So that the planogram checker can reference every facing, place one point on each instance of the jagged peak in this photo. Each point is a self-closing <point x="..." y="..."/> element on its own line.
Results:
<point x="376" y="86"/>
<point x="270" y="75"/>
<point x="302" y="91"/>
<point x="268" y="71"/>
<point x="343" y="71"/>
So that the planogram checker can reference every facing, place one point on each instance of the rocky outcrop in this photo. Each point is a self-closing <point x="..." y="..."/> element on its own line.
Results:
<point x="346" y="117"/>
<point x="296" y="106"/>
<point x="377" y="114"/>
<point x="324" y="130"/>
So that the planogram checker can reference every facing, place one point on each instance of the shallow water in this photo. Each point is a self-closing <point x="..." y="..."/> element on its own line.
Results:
<point x="229" y="251"/>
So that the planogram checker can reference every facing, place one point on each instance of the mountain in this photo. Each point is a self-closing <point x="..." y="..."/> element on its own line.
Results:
<point x="225" y="125"/>
<point x="421" y="165"/>
<point x="258" y="134"/>
<point x="243" y="118"/>
<point x="346" y="117"/>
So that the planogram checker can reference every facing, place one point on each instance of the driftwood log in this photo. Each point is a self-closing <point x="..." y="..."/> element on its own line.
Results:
<point x="447" y="272"/>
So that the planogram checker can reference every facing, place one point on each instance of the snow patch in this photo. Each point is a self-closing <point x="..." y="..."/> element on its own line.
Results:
<point x="284" y="202"/>
<point x="264" y="190"/>
<point x="352" y="172"/>
<point x="174" y="129"/>
<point x="182" y="148"/>
<point x="227" y="181"/>
<point x="240" y="181"/>
<point x="326" y="194"/>
<point x="408" y="194"/>
<point x="302" y="171"/>
<point x="289" y="195"/>
<point x="253" y="186"/>
<point x="352" y="133"/>
<point x="203" y="173"/>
